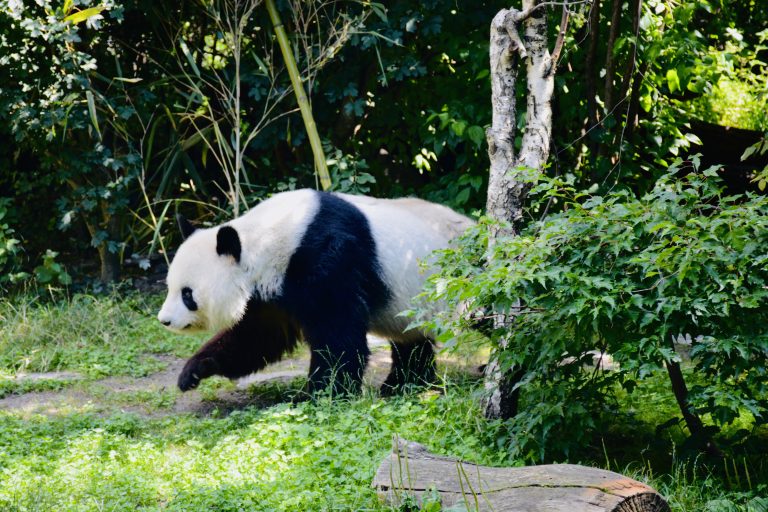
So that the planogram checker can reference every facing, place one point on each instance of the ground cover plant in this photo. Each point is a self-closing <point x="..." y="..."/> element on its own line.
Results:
<point x="274" y="455"/>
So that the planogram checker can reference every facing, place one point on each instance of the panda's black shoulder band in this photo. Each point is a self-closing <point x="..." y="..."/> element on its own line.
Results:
<point x="228" y="242"/>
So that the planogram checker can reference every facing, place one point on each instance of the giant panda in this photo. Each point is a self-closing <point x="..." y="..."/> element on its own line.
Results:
<point x="323" y="267"/>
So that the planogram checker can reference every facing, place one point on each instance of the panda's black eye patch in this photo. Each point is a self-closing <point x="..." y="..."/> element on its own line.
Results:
<point x="186" y="297"/>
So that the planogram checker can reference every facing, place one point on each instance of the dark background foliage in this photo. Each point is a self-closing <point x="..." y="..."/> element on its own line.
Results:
<point x="97" y="145"/>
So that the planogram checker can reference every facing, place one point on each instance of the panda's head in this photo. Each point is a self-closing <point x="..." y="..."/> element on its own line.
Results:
<point x="208" y="288"/>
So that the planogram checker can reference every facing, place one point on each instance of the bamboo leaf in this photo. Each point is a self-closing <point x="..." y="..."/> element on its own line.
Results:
<point x="92" y="111"/>
<point x="83" y="15"/>
<point x="188" y="55"/>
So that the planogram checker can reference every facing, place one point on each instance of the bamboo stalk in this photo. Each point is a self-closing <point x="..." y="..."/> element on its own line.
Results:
<point x="301" y="97"/>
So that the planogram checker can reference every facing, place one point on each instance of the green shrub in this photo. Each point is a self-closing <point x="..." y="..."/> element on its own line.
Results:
<point x="623" y="276"/>
<point x="9" y="249"/>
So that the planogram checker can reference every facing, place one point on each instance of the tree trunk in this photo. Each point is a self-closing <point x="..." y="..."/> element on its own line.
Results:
<point x="110" y="265"/>
<point x="692" y="421"/>
<point x="410" y="470"/>
<point x="590" y="65"/>
<point x="109" y="262"/>
<point x="507" y="183"/>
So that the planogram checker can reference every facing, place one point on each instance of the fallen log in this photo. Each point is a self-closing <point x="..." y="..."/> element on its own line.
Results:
<point x="410" y="470"/>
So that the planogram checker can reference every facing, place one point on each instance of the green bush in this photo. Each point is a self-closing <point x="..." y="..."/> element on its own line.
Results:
<point x="9" y="249"/>
<point x="623" y="276"/>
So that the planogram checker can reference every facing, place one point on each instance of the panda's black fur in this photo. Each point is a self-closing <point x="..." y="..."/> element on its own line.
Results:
<point x="332" y="287"/>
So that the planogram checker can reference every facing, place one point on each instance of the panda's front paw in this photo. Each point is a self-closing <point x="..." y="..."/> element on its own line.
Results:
<point x="196" y="370"/>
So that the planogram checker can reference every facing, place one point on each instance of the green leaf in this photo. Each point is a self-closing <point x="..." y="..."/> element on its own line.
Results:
<point x="693" y="139"/>
<point x="379" y="10"/>
<point x="749" y="151"/>
<point x="92" y="112"/>
<point x="646" y="102"/>
<point x="476" y="134"/>
<point x="458" y="128"/>
<point x="673" y="81"/>
<point x="482" y="74"/>
<point x="188" y="55"/>
<point x="83" y="15"/>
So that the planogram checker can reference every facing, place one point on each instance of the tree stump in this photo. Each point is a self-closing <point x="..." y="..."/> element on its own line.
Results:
<point x="411" y="470"/>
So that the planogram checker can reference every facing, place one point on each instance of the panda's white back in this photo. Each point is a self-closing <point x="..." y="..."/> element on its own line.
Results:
<point x="406" y="231"/>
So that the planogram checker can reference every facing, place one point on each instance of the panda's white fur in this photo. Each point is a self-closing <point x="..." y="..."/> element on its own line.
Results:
<point x="405" y="230"/>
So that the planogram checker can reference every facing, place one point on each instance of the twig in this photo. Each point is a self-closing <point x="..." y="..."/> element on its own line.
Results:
<point x="560" y="37"/>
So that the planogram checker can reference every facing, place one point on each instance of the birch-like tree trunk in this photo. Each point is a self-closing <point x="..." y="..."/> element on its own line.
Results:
<point x="506" y="187"/>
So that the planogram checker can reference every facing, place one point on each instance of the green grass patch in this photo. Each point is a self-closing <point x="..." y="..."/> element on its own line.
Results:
<point x="13" y="386"/>
<point x="310" y="456"/>
<point x="96" y="336"/>
<point x="258" y="452"/>
<point x="733" y="103"/>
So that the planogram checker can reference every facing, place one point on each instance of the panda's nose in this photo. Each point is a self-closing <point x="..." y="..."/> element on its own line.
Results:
<point x="165" y="322"/>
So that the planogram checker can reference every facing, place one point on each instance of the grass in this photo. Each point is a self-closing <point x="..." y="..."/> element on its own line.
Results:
<point x="274" y="455"/>
<point x="95" y="336"/>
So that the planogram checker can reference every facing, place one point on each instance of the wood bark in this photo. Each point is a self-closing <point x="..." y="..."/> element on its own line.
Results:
<point x="692" y="421"/>
<point x="610" y="61"/>
<point x="411" y="470"/>
<point x="629" y="66"/>
<point x="590" y="65"/>
<point x="507" y="186"/>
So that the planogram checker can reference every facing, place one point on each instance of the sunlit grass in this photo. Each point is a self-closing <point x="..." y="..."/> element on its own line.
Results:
<point x="92" y="335"/>
<point x="311" y="456"/>
<point x="318" y="455"/>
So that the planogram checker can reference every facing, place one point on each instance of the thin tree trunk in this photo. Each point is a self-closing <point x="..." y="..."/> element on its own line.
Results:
<point x="109" y="262"/>
<point x="634" y="100"/>
<point x="504" y="194"/>
<point x="590" y="65"/>
<point x="610" y="66"/>
<point x="692" y="421"/>
<point x="604" y="148"/>
<point x="629" y="67"/>
<point x="507" y="187"/>
<point x="109" y="271"/>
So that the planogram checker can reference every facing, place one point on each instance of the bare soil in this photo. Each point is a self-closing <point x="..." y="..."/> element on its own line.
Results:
<point x="156" y="395"/>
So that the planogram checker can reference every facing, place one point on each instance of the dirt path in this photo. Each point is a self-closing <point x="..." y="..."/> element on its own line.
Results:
<point x="157" y="396"/>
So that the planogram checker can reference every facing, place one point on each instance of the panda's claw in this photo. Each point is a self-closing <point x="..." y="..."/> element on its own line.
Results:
<point x="196" y="370"/>
<point x="188" y="380"/>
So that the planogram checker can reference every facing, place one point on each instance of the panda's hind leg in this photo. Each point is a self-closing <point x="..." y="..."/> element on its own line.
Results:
<point x="413" y="365"/>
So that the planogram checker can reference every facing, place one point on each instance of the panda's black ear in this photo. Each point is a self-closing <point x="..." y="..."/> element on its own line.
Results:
<point x="228" y="242"/>
<point x="186" y="227"/>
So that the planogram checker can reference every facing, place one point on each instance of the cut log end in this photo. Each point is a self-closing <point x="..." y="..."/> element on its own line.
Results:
<point x="411" y="470"/>
<point x="643" y="502"/>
